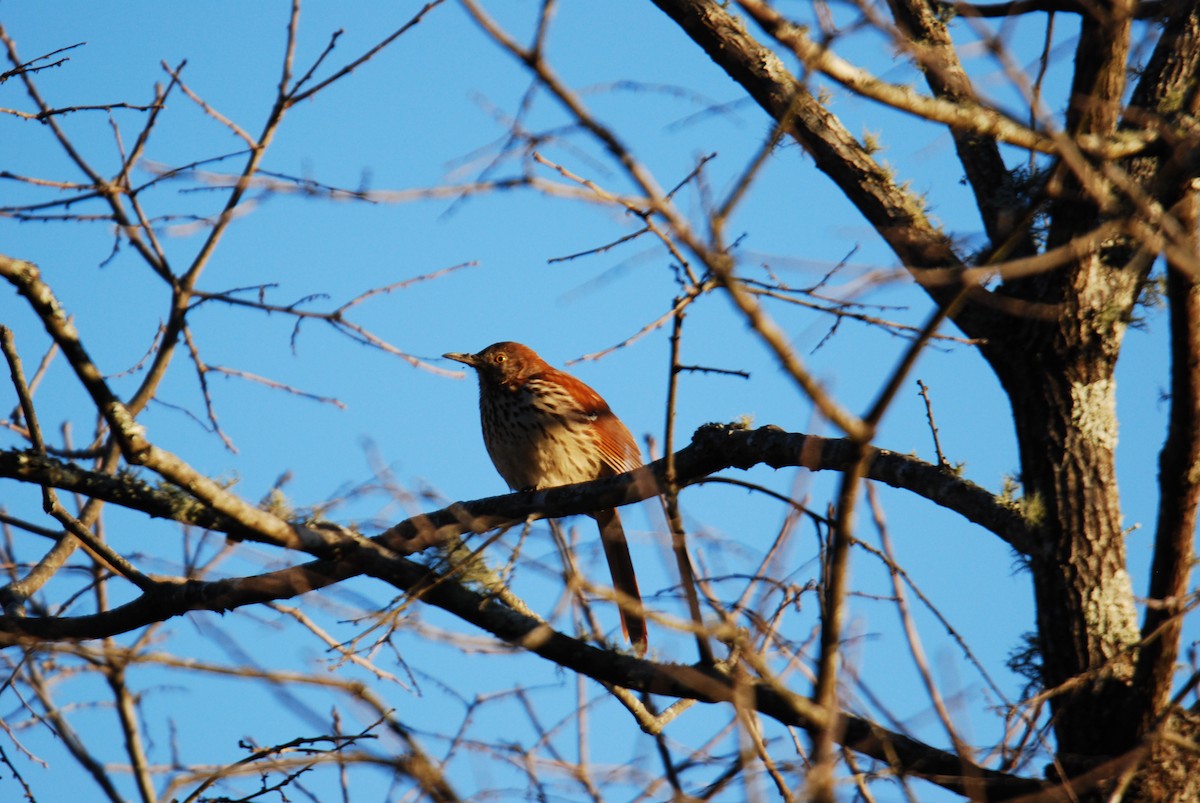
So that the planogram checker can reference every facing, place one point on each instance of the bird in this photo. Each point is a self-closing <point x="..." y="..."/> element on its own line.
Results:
<point x="542" y="428"/>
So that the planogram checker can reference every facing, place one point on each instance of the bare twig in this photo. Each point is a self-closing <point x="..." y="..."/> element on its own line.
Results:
<point x="910" y="632"/>
<point x="683" y="561"/>
<point x="27" y="68"/>
<point x="937" y="444"/>
<point x="294" y="95"/>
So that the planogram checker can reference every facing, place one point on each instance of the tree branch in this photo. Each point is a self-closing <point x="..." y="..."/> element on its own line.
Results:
<point x="895" y="213"/>
<point x="926" y="36"/>
<point x="714" y="447"/>
<point x="1147" y="9"/>
<point x="1179" y="498"/>
<point x="902" y="753"/>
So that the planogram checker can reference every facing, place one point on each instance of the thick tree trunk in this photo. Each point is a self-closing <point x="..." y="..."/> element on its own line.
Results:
<point x="1065" y="415"/>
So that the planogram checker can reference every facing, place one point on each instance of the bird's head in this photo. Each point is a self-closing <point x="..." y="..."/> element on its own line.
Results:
<point x="504" y="363"/>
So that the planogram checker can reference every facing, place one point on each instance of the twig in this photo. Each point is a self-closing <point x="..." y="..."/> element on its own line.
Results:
<point x="202" y="378"/>
<point x="937" y="445"/>
<point x="705" y="369"/>
<point x="27" y="67"/>
<point x="677" y="306"/>
<point x="42" y="115"/>
<point x="637" y="210"/>
<point x="835" y="576"/>
<point x="262" y="380"/>
<point x="205" y="107"/>
<point x="913" y="637"/>
<point x="53" y="560"/>
<point x="670" y="497"/>
<point x="294" y="96"/>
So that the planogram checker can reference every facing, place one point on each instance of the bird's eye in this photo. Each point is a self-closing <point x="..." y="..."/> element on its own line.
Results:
<point x="499" y="358"/>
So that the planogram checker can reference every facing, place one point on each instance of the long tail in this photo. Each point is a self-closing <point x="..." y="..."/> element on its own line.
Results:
<point x="620" y="564"/>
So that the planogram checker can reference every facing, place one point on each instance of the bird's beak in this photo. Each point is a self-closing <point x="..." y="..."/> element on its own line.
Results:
<point x="467" y="359"/>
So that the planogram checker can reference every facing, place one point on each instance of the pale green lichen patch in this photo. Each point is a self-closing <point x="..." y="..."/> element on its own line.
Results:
<point x="1094" y="412"/>
<point x="1109" y="611"/>
<point x="1033" y="509"/>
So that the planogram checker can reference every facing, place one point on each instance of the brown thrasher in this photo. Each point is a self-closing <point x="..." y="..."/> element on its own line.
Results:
<point x="543" y="428"/>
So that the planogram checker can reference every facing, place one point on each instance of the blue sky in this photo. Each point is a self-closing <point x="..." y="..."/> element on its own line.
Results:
<point x="431" y="110"/>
